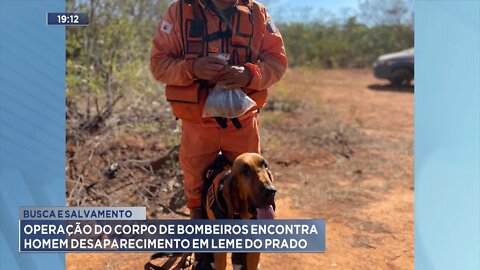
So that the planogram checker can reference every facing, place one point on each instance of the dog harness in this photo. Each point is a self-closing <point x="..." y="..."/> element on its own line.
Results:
<point x="215" y="201"/>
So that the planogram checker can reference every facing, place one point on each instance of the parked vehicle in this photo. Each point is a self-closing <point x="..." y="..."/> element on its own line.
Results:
<point x="396" y="67"/>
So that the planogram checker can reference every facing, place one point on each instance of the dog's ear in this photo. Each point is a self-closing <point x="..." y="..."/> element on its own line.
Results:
<point x="232" y="196"/>
<point x="234" y="200"/>
<point x="242" y="202"/>
<point x="244" y="210"/>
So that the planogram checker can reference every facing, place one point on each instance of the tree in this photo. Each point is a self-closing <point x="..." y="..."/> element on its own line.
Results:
<point x="381" y="12"/>
<point x="107" y="55"/>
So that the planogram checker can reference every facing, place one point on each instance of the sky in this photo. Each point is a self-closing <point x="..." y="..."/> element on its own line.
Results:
<point x="305" y="10"/>
<point x="333" y="5"/>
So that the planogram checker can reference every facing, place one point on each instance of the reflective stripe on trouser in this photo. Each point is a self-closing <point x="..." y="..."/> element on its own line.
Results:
<point x="201" y="143"/>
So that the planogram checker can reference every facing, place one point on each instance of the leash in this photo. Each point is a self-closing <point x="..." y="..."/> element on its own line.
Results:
<point x="150" y="266"/>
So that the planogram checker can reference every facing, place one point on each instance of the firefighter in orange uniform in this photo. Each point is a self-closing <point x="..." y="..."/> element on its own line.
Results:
<point x="188" y="36"/>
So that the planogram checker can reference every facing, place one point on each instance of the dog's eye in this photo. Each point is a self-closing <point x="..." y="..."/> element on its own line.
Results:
<point x="265" y="165"/>
<point x="245" y="170"/>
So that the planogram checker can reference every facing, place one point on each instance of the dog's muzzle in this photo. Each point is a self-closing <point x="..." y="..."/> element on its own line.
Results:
<point x="269" y="193"/>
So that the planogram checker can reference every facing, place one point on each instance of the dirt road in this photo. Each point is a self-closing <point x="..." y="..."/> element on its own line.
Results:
<point x="340" y="144"/>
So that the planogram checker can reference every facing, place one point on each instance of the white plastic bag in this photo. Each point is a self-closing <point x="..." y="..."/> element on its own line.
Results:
<point x="227" y="103"/>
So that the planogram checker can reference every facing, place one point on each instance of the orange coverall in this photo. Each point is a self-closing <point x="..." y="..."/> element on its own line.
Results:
<point x="202" y="141"/>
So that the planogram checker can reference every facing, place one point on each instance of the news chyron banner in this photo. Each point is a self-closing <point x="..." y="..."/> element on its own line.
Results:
<point x="125" y="229"/>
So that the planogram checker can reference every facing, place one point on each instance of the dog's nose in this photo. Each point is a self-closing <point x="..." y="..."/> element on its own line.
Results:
<point x="269" y="191"/>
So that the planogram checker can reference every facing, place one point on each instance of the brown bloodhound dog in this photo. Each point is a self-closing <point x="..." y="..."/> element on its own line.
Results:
<point x="236" y="191"/>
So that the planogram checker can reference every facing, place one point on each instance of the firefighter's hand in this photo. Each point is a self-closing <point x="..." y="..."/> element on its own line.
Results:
<point x="207" y="67"/>
<point x="233" y="77"/>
